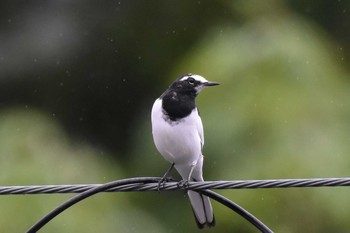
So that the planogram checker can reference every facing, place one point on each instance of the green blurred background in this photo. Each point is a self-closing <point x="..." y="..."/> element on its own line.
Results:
<point x="78" y="80"/>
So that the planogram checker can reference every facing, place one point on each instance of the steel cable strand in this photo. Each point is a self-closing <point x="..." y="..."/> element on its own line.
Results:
<point x="235" y="184"/>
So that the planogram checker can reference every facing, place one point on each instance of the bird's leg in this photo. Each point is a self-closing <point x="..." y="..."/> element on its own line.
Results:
<point x="184" y="183"/>
<point x="164" y="177"/>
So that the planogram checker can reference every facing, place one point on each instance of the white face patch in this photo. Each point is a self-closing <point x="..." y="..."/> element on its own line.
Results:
<point x="199" y="88"/>
<point x="196" y="77"/>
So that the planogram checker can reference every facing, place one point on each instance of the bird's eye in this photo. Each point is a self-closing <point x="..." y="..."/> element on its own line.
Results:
<point x="191" y="81"/>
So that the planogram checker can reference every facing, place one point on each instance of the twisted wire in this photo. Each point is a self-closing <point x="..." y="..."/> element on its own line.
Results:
<point x="169" y="186"/>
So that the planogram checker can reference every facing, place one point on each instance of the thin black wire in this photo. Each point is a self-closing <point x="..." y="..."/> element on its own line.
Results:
<point x="198" y="186"/>
<point x="48" y="217"/>
<point x="145" y="180"/>
<point x="239" y="210"/>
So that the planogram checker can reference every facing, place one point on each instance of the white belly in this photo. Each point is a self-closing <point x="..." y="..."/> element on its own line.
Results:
<point x="179" y="143"/>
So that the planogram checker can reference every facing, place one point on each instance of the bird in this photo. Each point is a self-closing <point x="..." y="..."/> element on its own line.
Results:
<point x="178" y="135"/>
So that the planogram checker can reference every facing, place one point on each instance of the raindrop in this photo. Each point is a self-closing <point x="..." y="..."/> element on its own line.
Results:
<point x="68" y="73"/>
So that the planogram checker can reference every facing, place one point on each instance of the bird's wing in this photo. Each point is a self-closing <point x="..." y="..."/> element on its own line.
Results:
<point x="200" y="128"/>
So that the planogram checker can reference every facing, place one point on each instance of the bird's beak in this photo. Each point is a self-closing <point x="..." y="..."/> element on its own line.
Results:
<point x="205" y="85"/>
<point x="208" y="84"/>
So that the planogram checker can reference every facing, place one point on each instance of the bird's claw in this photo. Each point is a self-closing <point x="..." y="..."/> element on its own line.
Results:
<point x="161" y="183"/>
<point x="183" y="184"/>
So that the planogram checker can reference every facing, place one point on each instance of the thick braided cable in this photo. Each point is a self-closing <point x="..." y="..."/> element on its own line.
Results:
<point x="233" y="184"/>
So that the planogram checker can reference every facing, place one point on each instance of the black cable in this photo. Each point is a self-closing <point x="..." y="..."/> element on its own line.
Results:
<point x="143" y="180"/>
<point x="48" y="217"/>
<point x="238" y="209"/>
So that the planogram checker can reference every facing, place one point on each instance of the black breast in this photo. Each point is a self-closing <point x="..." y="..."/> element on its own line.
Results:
<point x="177" y="105"/>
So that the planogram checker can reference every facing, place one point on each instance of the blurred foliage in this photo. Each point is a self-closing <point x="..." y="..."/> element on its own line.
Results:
<point x="34" y="150"/>
<point x="77" y="83"/>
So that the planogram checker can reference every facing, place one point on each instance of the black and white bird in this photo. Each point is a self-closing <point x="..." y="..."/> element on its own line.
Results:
<point x="178" y="135"/>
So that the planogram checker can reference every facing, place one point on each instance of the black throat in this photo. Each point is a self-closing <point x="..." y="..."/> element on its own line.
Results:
<point x="178" y="105"/>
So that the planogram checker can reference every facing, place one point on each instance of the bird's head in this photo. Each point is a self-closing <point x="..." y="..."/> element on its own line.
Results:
<point x="191" y="83"/>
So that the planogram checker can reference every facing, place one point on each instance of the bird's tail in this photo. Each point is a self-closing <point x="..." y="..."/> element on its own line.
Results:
<point x="202" y="209"/>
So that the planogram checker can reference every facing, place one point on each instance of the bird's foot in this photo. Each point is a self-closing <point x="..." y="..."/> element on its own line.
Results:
<point x="162" y="182"/>
<point x="165" y="178"/>
<point x="183" y="184"/>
